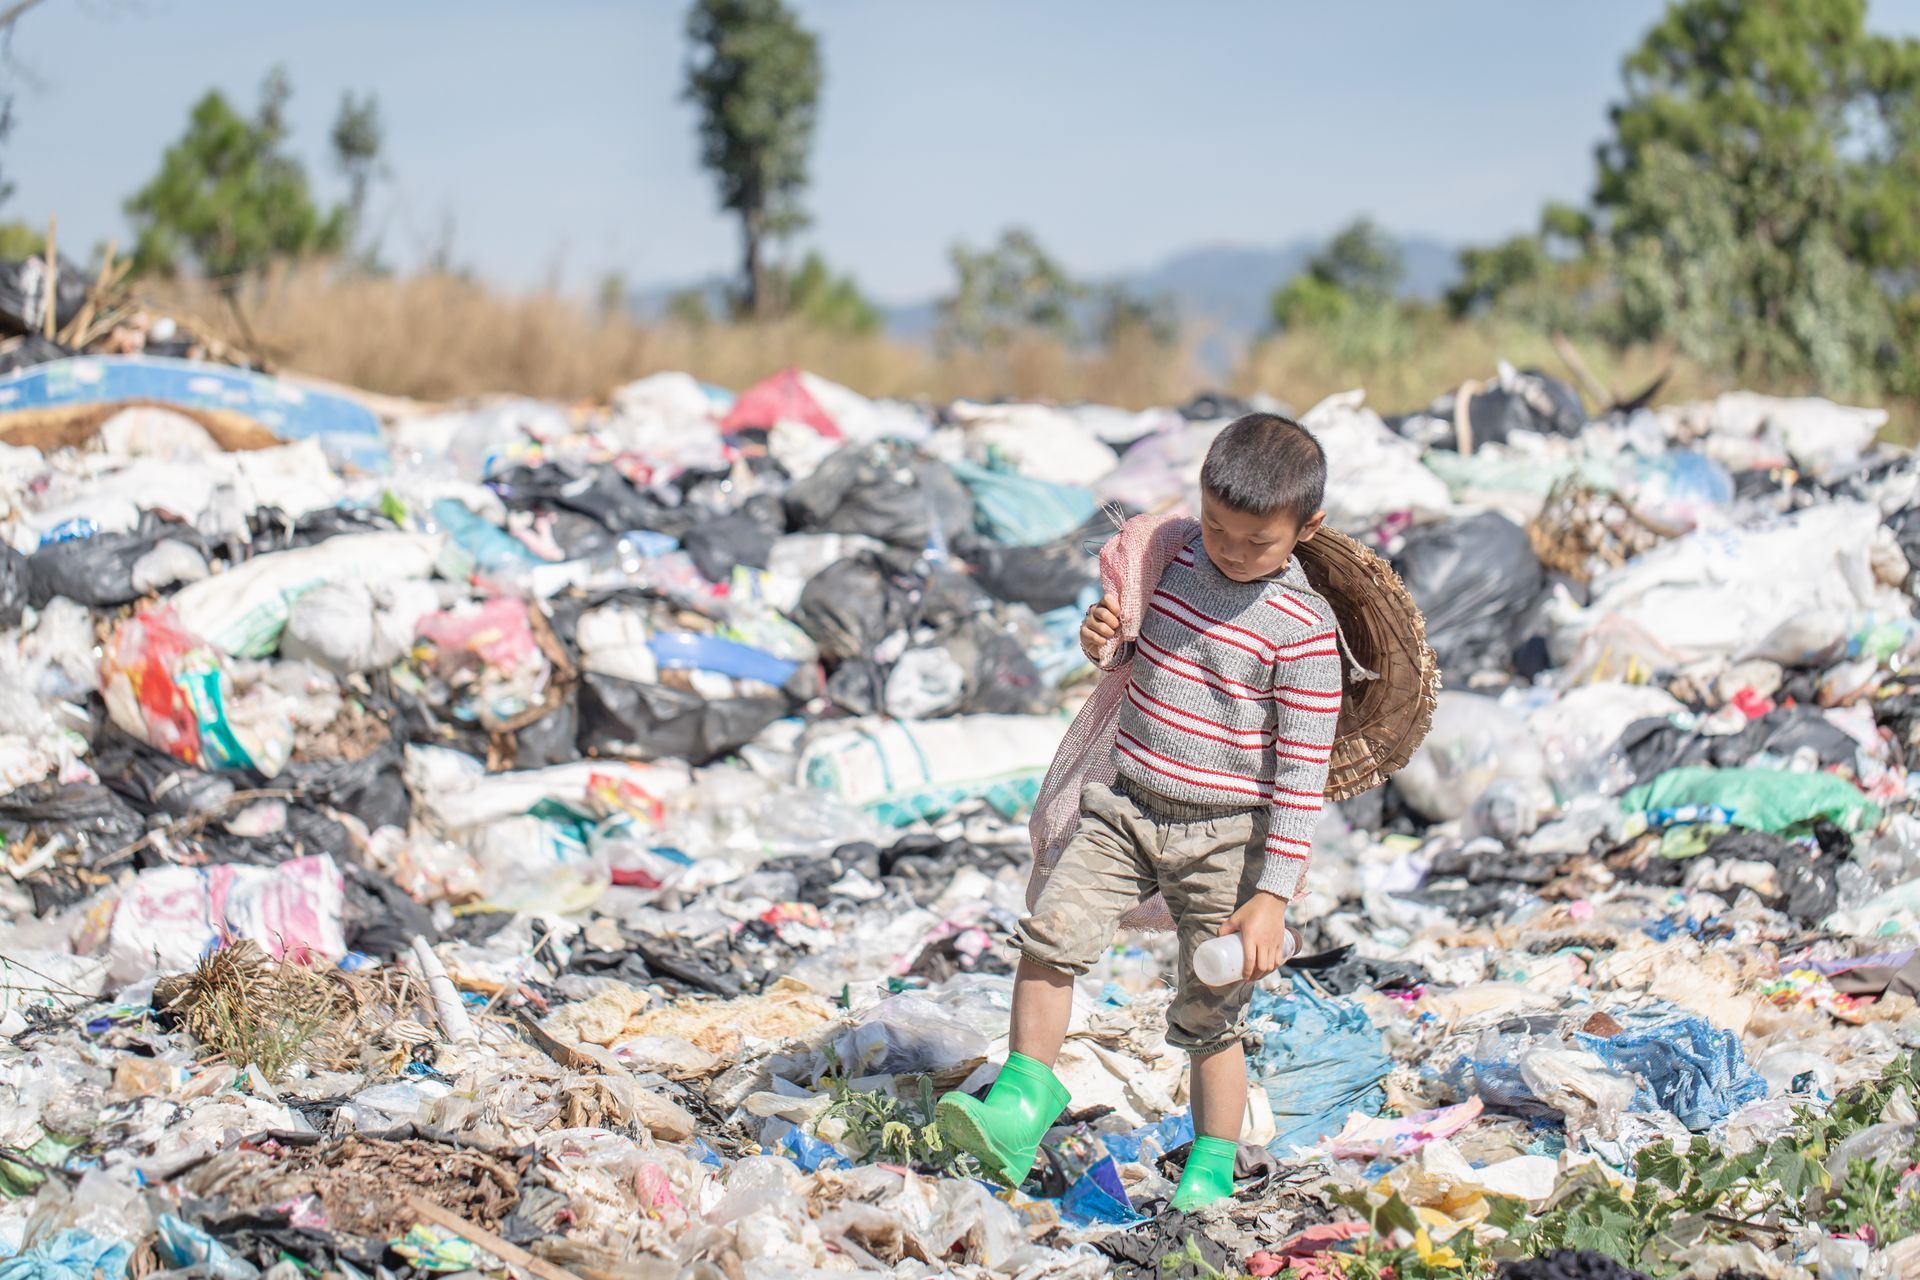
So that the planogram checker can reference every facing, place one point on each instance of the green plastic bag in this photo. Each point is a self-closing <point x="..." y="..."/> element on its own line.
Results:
<point x="1759" y="799"/>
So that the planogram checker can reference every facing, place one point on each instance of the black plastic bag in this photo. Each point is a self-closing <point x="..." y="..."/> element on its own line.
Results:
<point x="95" y="819"/>
<point x="1476" y="581"/>
<point x="550" y="740"/>
<point x="581" y="537"/>
<point x="886" y="490"/>
<point x="1043" y="578"/>
<point x="372" y="789"/>
<point x="15" y="586"/>
<point x="380" y="919"/>
<point x="25" y="289"/>
<point x="853" y="604"/>
<point x="31" y="350"/>
<point x="1536" y="402"/>
<point x="98" y="571"/>
<point x="858" y="687"/>
<point x="655" y="722"/>
<point x="271" y="529"/>
<point x="1213" y="406"/>
<point x="602" y="493"/>
<point x="1653" y="746"/>
<point x="719" y="544"/>
<point x="155" y="782"/>
<point x="1001" y="676"/>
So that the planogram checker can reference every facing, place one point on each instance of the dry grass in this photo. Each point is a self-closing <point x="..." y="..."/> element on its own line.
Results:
<point x="246" y="1008"/>
<point x="1302" y="368"/>
<point x="1433" y="359"/>
<point x="249" y="1009"/>
<point x="438" y="337"/>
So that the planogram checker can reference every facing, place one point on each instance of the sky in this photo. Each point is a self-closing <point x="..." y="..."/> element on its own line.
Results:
<point x="548" y="143"/>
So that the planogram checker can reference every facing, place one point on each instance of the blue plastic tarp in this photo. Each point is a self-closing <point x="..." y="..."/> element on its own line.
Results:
<point x="1320" y="1058"/>
<point x="69" y="1255"/>
<point x="345" y="428"/>
<point x="683" y="649"/>
<point x="1099" y="1196"/>
<point x="1695" y="1070"/>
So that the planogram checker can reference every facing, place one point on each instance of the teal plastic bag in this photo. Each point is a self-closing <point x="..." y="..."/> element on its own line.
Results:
<point x="1020" y="511"/>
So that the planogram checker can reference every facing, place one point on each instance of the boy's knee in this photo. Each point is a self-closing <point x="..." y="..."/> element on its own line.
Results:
<point x="1058" y="939"/>
<point x="1209" y="1021"/>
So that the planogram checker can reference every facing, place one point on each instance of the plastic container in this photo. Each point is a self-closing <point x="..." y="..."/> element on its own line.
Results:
<point x="1218" y="962"/>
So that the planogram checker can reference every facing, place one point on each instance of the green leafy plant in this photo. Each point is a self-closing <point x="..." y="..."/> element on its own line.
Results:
<point x="883" y="1127"/>
<point x="1692" y="1193"/>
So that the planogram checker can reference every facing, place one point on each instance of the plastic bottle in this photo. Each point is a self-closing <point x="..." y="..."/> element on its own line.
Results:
<point x="1218" y="962"/>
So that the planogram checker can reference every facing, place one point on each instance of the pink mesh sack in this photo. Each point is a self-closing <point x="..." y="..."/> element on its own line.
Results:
<point x="1130" y="568"/>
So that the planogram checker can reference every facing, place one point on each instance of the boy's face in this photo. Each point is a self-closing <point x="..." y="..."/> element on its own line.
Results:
<point x="1247" y="547"/>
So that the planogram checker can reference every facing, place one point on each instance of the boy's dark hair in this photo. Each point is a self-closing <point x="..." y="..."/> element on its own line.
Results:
<point x="1264" y="464"/>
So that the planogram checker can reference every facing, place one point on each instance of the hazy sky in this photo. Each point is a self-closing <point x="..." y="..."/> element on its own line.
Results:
<point x="1121" y="131"/>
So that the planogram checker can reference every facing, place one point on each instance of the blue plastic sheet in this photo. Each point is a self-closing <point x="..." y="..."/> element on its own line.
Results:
<point x="69" y="1255"/>
<point x="810" y="1153"/>
<point x="684" y="649"/>
<point x="1691" y="1068"/>
<point x="70" y="531"/>
<point x="1319" y="1059"/>
<point x="184" y="1245"/>
<point x="1098" y="1196"/>
<point x="346" y="429"/>
<point x="1151" y="1141"/>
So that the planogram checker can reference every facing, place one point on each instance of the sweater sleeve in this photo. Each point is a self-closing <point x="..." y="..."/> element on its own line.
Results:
<point x="1306" y="694"/>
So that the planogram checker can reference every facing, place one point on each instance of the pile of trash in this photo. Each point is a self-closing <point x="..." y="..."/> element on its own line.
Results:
<point x="583" y="841"/>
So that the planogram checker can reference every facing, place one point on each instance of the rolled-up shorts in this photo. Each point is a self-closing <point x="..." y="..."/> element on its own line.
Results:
<point x="1131" y="845"/>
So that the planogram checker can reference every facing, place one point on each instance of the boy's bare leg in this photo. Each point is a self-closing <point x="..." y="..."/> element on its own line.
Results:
<point x="1220" y="1093"/>
<point x="1042" y="1007"/>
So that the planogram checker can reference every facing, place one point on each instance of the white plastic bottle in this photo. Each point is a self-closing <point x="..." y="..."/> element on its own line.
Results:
<point x="1218" y="961"/>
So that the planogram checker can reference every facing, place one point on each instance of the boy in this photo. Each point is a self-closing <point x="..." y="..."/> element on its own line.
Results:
<point x="1222" y="747"/>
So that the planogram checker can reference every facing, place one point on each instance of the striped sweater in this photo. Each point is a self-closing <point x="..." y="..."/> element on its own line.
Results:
<point x="1232" y="701"/>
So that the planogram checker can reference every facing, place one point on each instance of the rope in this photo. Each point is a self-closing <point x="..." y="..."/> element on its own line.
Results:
<point x="1354" y="670"/>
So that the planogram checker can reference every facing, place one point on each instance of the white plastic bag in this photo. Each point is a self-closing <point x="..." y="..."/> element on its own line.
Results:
<point x="1474" y="742"/>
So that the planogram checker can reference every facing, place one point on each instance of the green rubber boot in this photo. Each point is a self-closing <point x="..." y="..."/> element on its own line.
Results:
<point x="1003" y="1133"/>
<point x="1209" y="1174"/>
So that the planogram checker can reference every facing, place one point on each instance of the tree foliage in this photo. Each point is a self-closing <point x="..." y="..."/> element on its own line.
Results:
<point x="358" y="137"/>
<point x="1752" y="202"/>
<point x="1359" y="269"/>
<point x="1121" y="314"/>
<point x="229" y="197"/>
<point x="818" y="298"/>
<point x="1757" y="186"/>
<point x="755" y="76"/>
<point x="1010" y="288"/>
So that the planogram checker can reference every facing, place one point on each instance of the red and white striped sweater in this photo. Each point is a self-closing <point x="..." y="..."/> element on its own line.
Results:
<point x="1232" y="702"/>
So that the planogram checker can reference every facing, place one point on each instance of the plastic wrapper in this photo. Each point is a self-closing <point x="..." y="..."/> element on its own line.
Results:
<point x="171" y="916"/>
<point x="171" y="690"/>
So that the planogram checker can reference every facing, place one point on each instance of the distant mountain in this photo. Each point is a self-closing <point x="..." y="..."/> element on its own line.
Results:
<point x="1223" y="290"/>
<point x="1231" y="287"/>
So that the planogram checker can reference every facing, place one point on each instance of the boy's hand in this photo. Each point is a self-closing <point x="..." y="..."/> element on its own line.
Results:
<point x="1101" y="626"/>
<point x="1261" y="923"/>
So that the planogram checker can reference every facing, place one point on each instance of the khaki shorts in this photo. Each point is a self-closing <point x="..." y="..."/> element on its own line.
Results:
<point x="1130" y="846"/>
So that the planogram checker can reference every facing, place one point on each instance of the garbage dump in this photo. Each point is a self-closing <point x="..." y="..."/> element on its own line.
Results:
<point x="584" y="841"/>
